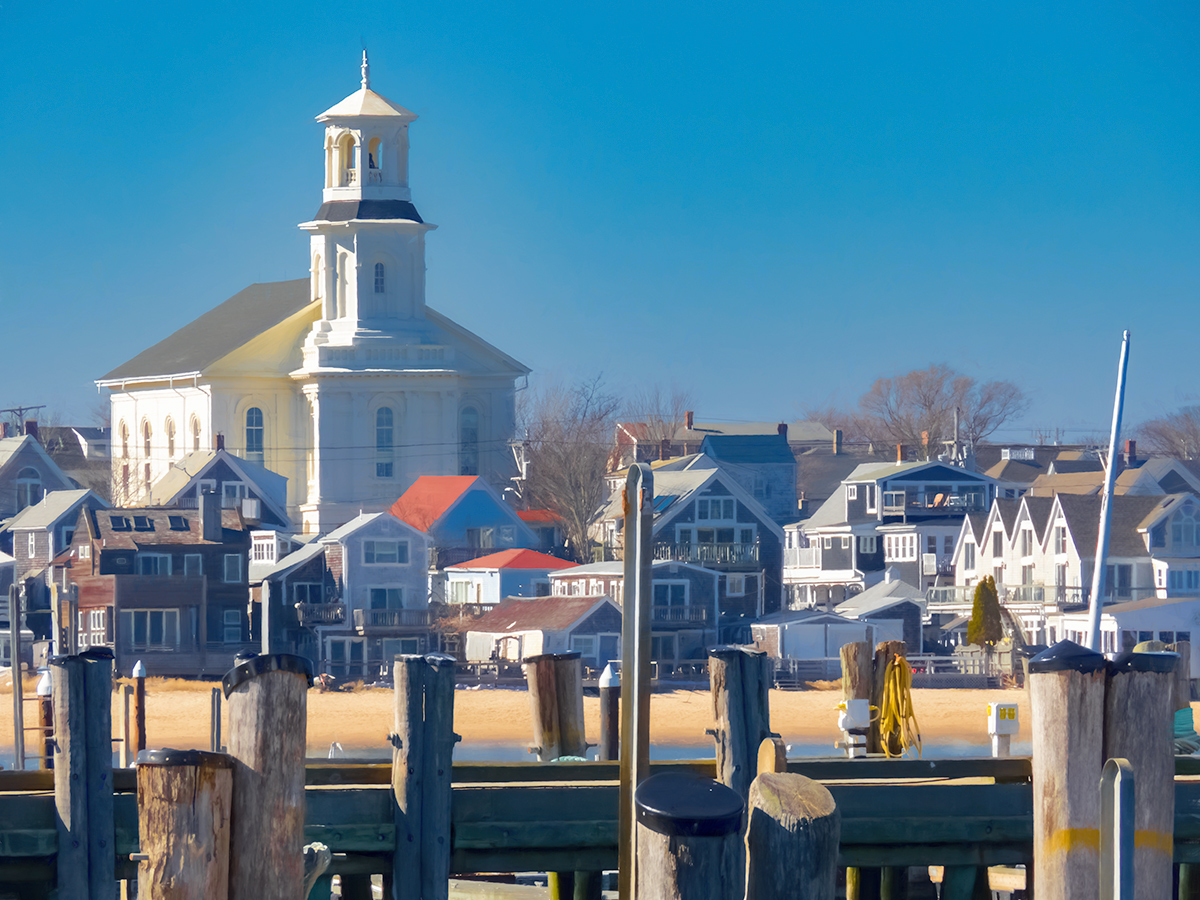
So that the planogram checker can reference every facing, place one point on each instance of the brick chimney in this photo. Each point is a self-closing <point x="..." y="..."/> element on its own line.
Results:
<point x="31" y="429"/>
<point x="220" y="441"/>
<point x="3" y="429"/>
<point x="901" y="452"/>
<point x="782" y="429"/>
<point x="837" y="441"/>
<point x="664" y="448"/>
<point x="210" y="516"/>
<point x="688" y="420"/>
<point x="1130" y="452"/>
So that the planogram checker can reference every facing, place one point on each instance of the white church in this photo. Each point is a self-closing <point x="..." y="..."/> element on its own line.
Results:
<point x="344" y="382"/>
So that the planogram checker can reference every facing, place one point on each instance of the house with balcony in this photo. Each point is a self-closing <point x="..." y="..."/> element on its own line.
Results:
<point x="703" y="516"/>
<point x="464" y="518"/>
<point x="686" y="607"/>
<point x="905" y="516"/>
<point x="260" y="493"/>
<point x="167" y="586"/>
<point x="376" y="565"/>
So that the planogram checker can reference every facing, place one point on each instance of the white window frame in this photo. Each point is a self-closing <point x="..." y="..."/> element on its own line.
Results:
<point x="735" y="585"/>
<point x="374" y="562"/>
<point x="670" y="583"/>
<point x="704" y="509"/>
<point x="159" y="557"/>
<point x="968" y="556"/>
<point x="826" y="543"/>
<point x="852" y="492"/>
<point x="872" y="497"/>
<point x="235" y="491"/>
<point x="32" y="545"/>
<point x="847" y="540"/>
<point x="236" y="559"/>
<point x="85" y="550"/>
<point x="867" y="544"/>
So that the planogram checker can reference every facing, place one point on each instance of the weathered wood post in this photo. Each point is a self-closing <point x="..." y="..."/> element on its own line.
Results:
<point x="18" y="689"/>
<point x="610" y="714"/>
<point x="268" y="717"/>
<point x="858" y="679"/>
<point x="408" y="773"/>
<point x="438" y="758"/>
<point x="740" y="681"/>
<point x="45" y="721"/>
<point x="688" y="839"/>
<point x="184" y="805"/>
<point x="139" y="708"/>
<point x="214" y="725"/>
<point x="127" y="754"/>
<point x="1066" y="686"/>
<point x="98" y="665"/>
<point x="555" y="683"/>
<point x="1139" y="726"/>
<point x="885" y="652"/>
<point x="792" y="837"/>
<point x="68" y="675"/>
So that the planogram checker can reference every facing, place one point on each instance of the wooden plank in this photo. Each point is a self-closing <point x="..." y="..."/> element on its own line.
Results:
<point x="596" y="859"/>
<point x="532" y="834"/>
<point x="960" y="829"/>
<point x="351" y="838"/>
<point x="878" y="855"/>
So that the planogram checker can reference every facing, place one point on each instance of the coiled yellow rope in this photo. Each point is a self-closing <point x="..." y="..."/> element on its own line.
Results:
<point x="896" y="716"/>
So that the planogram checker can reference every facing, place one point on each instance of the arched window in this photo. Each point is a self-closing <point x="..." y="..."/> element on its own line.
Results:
<point x="124" y="440"/>
<point x="384" y="443"/>
<point x="146" y="438"/>
<point x="1185" y="528"/>
<point x="29" y="487"/>
<point x="254" y="434"/>
<point x="468" y="441"/>
<point x="348" y="153"/>
<point x="374" y="158"/>
<point x="170" y="430"/>
<point x="195" y="434"/>
<point x="380" y="284"/>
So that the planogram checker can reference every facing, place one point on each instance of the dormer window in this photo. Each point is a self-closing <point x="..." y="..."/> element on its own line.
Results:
<point x="178" y="523"/>
<point x="143" y="523"/>
<point x="119" y="523"/>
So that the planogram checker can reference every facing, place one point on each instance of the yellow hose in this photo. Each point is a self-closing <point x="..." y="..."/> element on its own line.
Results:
<point x="896" y="716"/>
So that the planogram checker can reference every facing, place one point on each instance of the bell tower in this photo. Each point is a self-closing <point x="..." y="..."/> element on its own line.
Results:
<point x="367" y="239"/>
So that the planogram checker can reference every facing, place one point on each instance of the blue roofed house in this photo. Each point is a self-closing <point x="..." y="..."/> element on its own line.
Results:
<point x="763" y="464"/>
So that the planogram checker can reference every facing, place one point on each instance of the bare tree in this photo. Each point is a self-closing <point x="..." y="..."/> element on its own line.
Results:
<point x="918" y="409"/>
<point x="1177" y="434"/>
<point x="660" y="411"/>
<point x="568" y="438"/>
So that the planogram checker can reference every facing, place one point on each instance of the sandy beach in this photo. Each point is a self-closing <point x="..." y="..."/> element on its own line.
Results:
<point x="177" y="715"/>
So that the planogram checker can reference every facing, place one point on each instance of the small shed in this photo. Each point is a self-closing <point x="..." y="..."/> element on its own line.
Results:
<point x="519" y="628"/>
<point x="809" y="634"/>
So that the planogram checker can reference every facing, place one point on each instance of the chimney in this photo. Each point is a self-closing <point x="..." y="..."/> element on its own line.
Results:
<point x="901" y="452"/>
<point x="1130" y="452"/>
<point x="210" y="516"/>
<point x="688" y="420"/>
<point x="837" y="441"/>
<point x="782" y="429"/>
<point x="220" y="441"/>
<point x="3" y="429"/>
<point x="664" y="448"/>
<point x="31" y="429"/>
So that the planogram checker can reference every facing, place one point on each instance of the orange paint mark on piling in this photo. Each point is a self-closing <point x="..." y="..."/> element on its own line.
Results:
<point x="1162" y="841"/>
<point x="1064" y="840"/>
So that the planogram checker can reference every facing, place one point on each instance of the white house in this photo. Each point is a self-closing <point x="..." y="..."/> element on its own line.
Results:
<point x="344" y="382"/>
<point x="497" y="576"/>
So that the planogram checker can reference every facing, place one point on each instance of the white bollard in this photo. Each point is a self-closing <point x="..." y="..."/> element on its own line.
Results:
<point x="1002" y="725"/>
<point x="855" y="721"/>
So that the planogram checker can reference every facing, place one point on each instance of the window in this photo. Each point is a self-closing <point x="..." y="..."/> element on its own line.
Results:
<point x="735" y="585"/>
<point x="385" y="553"/>
<point x="1026" y="542"/>
<point x="233" y="568"/>
<point x="195" y="433"/>
<point x="852" y="492"/>
<point x="827" y="543"/>
<point x="32" y="545"/>
<point x="1060" y="540"/>
<point x="1026" y="574"/>
<point x="1183" y="637"/>
<point x="383" y="442"/>
<point x="29" y="487"/>
<point x="169" y="428"/>
<point x="146" y="438"/>
<point x="468" y="441"/>
<point x="1179" y="579"/>
<point x="720" y="510"/>
<point x="85" y="551"/>
<point x="846" y="541"/>
<point x="670" y="595"/>
<point x="254" y="434"/>
<point x="153" y="564"/>
<point x="386" y="597"/>
<point x="1167" y="637"/>
<point x="143" y="523"/>
<point x="192" y="565"/>
<point x="124" y="441"/>
<point x="146" y="473"/>
<point x="969" y="556"/>
<point x="178" y="523"/>
<point x="379" y="278"/>
<point x="870" y="497"/>
<point x="867" y="544"/>
<point x="900" y="546"/>
<point x="231" y="633"/>
<point x="232" y="494"/>
<point x="150" y="628"/>
<point x="1185" y="528"/>
<point x="263" y="548"/>
<point x="997" y="544"/>
<point x="307" y="592"/>
<point x="948" y="545"/>
<point x="119" y="523"/>
<point x="585" y="646"/>
<point x="460" y="592"/>
<point x="931" y="543"/>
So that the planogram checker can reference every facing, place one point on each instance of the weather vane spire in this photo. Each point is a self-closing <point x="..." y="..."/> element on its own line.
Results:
<point x="366" y="71"/>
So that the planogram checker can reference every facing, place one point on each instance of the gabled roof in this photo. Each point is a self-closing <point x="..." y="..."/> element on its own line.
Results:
<point x="184" y="474"/>
<point x="807" y="616"/>
<point x="362" y="519"/>
<point x="365" y="102"/>
<point x="430" y="498"/>
<point x="11" y="447"/>
<point x="51" y="508"/>
<point x="517" y="559"/>
<point x="1007" y="511"/>
<point x="976" y="521"/>
<point x="539" y="614"/>
<point x="538" y="517"/>
<point x="1126" y="514"/>
<point x="1075" y="466"/>
<point x="1165" y="507"/>
<point x="1039" y="509"/>
<point x="879" y="597"/>
<point x="799" y="431"/>
<point x="617" y="567"/>
<point x="293" y="560"/>
<point x="749" y="449"/>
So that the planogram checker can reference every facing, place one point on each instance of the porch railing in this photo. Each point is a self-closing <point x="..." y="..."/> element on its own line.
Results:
<point x="392" y="618"/>
<point x="709" y="554"/>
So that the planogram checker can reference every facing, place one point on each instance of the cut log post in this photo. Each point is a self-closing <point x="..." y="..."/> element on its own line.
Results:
<point x="688" y="839"/>
<point x="555" y="683"/>
<point x="214" y="725"/>
<point x="740" y="681"/>
<point x="139" y="709"/>
<point x="98" y="663"/>
<point x="408" y="773"/>
<point x="857" y="666"/>
<point x="792" y="837"/>
<point x="1139" y="726"/>
<point x="1182" y="692"/>
<point x="884" y="653"/>
<point x="610" y="715"/>
<point x="268" y="717"/>
<point x="438" y="759"/>
<point x="1066" y="688"/>
<point x="68" y="675"/>
<point x="184" y="805"/>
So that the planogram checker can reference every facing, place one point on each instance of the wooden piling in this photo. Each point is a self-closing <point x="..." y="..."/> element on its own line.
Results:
<point x="98" y="663"/>
<point x="555" y="683"/>
<point x="68" y="675"/>
<point x="1139" y="726"/>
<point x="408" y="773"/>
<point x="139" y="709"/>
<point x="46" y="732"/>
<point x="610" y="715"/>
<point x="1066" y="685"/>
<point x="184" y="806"/>
<point x="127" y="754"/>
<point x="792" y="836"/>
<point x="214" y="724"/>
<point x="857" y="666"/>
<point x="884" y="653"/>
<point x="739" y="680"/>
<point x="267" y="698"/>
<point x="688" y="839"/>
<point x="439" y="752"/>
<point x="18" y="688"/>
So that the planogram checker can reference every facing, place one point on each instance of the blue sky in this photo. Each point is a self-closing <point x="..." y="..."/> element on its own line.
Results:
<point x="770" y="206"/>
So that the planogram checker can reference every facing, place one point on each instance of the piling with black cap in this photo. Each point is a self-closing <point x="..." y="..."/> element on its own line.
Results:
<point x="689" y="843"/>
<point x="184" y="807"/>
<point x="1066" y="685"/>
<point x="1139" y="717"/>
<point x="268" y="719"/>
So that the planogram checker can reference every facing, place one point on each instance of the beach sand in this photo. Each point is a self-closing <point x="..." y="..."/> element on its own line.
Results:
<point x="177" y="715"/>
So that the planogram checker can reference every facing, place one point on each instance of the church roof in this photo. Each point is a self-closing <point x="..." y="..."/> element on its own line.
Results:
<point x="219" y="331"/>
<point x="365" y="102"/>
